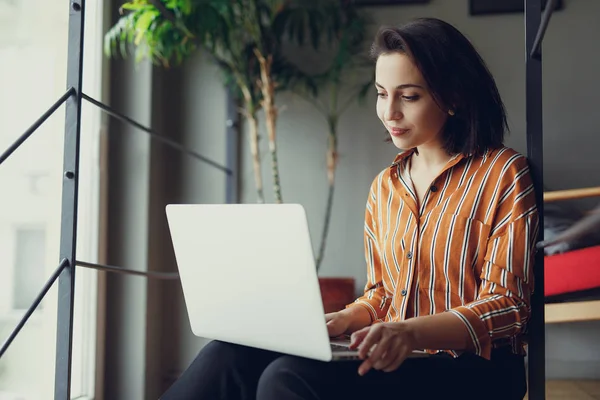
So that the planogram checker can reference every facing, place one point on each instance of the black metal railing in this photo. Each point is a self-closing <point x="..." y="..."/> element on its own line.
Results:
<point x="65" y="272"/>
<point x="535" y="28"/>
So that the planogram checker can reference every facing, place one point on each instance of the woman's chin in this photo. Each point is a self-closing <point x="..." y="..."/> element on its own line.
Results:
<point x="402" y="143"/>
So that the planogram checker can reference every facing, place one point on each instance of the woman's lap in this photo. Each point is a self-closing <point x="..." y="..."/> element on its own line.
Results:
<point x="227" y="371"/>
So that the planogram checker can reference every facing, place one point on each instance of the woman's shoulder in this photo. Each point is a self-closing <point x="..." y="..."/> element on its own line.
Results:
<point x="381" y="179"/>
<point x="505" y="160"/>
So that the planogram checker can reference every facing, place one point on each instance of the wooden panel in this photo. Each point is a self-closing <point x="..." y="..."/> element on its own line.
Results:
<point x="573" y="311"/>
<point x="572" y="390"/>
<point x="571" y="194"/>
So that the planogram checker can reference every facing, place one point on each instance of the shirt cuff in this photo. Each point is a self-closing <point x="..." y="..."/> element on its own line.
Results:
<point x="366" y="305"/>
<point x="482" y="342"/>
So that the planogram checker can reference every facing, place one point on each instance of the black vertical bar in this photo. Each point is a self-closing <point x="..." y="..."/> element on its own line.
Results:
<point x="533" y="94"/>
<point x="66" y="280"/>
<point x="233" y="151"/>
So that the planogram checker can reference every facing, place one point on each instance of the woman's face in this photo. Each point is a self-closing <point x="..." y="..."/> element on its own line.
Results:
<point x="404" y="104"/>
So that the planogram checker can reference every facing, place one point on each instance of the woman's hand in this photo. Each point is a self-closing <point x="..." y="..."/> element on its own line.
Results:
<point x="391" y="344"/>
<point x="347" y="321"/>
<point x="337" y="323"/>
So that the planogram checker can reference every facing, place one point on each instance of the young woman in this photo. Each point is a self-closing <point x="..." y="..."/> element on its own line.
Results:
<point x="450" y="229"/>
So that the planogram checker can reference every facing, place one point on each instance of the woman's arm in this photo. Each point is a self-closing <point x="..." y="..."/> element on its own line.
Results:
<point x="439" y="331"/>
<point x="374" y="298"/>
<point x="396" y="340"/>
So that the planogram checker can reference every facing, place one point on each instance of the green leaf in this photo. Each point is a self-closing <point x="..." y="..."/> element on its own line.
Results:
<point x="143" y="23"/>
<point x="131" y="6"/>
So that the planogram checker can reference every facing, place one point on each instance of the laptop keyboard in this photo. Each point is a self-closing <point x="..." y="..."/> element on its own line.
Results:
<point x="338" y="347"/>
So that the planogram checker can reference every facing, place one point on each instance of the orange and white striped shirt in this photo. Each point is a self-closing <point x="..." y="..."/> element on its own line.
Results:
<point x="467" y="249"/>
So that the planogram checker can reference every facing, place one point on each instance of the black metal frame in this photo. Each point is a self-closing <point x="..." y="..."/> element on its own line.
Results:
<point x="68" y="234"/>
<point x="65" y="272"/>
<point x="494" y="7"/>
<point x="535" y="27"/>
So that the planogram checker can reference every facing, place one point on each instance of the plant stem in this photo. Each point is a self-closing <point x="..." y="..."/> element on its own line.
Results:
<point x="329" y="207"/>
<point x="250" y="114"/>
<point x="254" y="149"/>
<point x="332" y="160"/>
<point x="267" y="86"/>
<point x="275" y="172"/>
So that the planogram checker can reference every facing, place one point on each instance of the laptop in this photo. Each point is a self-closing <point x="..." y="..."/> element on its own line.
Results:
<point x="249" y="277"/>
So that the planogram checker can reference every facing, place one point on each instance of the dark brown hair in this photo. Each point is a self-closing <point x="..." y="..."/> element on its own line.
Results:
<point x="457" y="78"/>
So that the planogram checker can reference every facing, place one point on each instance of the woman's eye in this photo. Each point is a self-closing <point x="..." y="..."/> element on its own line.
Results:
<point x="380" y="94"/>
<point x="411" y="98"/>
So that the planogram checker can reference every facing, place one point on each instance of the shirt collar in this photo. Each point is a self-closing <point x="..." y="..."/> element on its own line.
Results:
<point x="401" y="156"/>
<point x="407" y="153"/>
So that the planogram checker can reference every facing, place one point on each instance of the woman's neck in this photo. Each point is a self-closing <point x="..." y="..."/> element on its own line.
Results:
<point x="430" y="158"/>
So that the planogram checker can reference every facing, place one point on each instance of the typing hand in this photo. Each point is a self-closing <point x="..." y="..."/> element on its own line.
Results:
<point x="337" y="323"/>
<point x="383" y="346"/>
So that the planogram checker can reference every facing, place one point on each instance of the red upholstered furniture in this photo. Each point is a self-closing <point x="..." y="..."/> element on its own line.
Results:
<point x="572" y="279"/>
<point x="574" y="271"/>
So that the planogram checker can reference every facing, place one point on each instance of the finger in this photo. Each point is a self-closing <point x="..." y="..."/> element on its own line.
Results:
<point x="398" y="360"/>
<point x="329" y="316"/>
<point x="369" y="341"/>
<point x="357" y="337"/>
<point x="388" y="357"/>
<point x="381" y="348"/>
<point x="365" y="367"/>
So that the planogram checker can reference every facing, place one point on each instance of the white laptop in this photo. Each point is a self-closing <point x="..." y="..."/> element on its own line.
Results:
<point x="249" y="277"/>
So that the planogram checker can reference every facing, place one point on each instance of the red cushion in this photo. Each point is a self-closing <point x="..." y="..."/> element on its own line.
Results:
<point x="572" y="271"/>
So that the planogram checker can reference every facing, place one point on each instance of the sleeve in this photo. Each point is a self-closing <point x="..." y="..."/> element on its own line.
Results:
<point x="373" y="299"/>
<point x="502" y="309"/>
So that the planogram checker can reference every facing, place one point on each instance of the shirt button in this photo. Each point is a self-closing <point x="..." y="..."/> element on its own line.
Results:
<point x="409" y="255"/>
<point x="433" y="188"/>
<point x="403" y="292"/>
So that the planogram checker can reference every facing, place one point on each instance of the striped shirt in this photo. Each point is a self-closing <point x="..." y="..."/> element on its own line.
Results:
<point x="467" y="249"/>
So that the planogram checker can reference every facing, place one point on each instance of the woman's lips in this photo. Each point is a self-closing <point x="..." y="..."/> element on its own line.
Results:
<point x="397" y="131"/>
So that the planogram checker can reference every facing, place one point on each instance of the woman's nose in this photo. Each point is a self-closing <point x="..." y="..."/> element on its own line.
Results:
<point x="392" y="112"/>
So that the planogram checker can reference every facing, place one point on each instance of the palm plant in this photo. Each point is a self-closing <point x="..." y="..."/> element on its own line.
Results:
<point x="346" y="65"/>
<point x="244" y="37"/>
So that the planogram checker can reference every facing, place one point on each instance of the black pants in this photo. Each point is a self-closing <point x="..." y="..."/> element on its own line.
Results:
<point x="230" y="372"/>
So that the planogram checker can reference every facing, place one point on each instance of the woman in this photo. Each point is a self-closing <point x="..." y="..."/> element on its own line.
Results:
<point x="449" y="237"/>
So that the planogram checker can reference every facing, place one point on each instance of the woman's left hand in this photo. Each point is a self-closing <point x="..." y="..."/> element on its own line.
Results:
<point x="391" y="343"/>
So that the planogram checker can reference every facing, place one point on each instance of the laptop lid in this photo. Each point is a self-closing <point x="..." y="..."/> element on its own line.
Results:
<point x="249" y="277"/>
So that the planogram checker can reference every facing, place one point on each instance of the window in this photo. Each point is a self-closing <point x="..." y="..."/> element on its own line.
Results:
<point x="33" y="57"/>
<point x="28" y="268"/>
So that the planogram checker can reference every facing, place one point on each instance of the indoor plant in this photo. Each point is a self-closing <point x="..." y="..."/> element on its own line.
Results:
<point x="245" y="39"/>
<point x="345" y="70"/>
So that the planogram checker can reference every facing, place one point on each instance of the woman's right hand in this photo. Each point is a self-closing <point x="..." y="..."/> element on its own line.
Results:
<point x="347" y="321"/>
<point x="338" y="323"/>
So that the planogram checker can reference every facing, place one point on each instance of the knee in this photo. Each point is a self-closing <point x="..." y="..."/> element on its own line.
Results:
<point x="217" y="355"/>
<point x="218" y="349"/>
<point x="215" y="358"/>
<point x="273" y="377"/>
<point x="281" y="378"/>
<point x="215" y="361"/>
